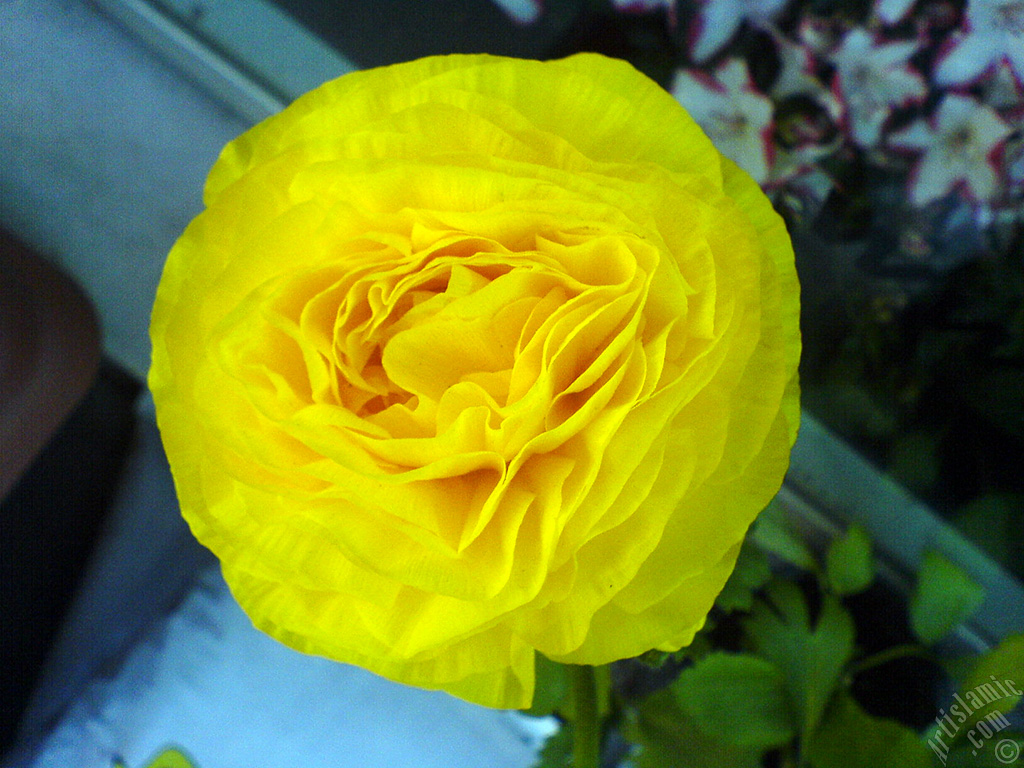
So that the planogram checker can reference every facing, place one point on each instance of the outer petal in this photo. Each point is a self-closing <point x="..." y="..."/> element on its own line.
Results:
<point x="491" y="667"/>
<point x="891" y="11"/>
<point x="1015" y="58"/>
<point x="967" y="60"/>
<point x="617" y="632"/>
<point x="917" y="135"/>
<point x="716" y="24"/>
<point x="932" y="179"/>
<point x="599" y="103"/>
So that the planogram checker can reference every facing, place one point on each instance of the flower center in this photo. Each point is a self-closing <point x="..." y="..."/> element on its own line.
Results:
<point x="959" y="141"/>
<point x="732" y="123"/>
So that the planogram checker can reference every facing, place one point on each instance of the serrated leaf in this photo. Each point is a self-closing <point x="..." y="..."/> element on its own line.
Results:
<point x="750" y="574"/>
<point x="557" y="750"/>
<point x="848" y="737"/>
<point x="738" y="699"/>
<point x="943" y="597"/>
<point x="663" y="735"/>
<point x="849" y="562"/>
<point x="551" y="687"/>
<point x="772" y="533"/>
<point x="812" y="661"/>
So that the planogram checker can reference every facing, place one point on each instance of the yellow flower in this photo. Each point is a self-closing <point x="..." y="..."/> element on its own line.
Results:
<point x="473" y="357"/>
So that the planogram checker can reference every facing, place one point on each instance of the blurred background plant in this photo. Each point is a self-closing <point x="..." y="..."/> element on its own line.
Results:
<point x="890" y="134"/>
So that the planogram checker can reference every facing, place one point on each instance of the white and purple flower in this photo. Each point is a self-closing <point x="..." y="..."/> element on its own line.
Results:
<point x="960" y="146"/>
<point x="892" y="11"/>
<point x="994" y="32"/>
<point x="718" y="20"/>
<point x="736" y="117"/>
<point x="872" y="78"/>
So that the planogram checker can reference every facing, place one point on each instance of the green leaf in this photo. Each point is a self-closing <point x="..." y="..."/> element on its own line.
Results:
<point x="849" y="564"/>
<point x="750" y="574"/>
<point x="849" y="737"/>
<point x="551" y="687"/>
<point x="812" y="661"/>
<point x="991" y="690"/>
<point x="943" y="598"/>
<point x="557" y="750"/>
<point x="999" y="751"/>
<point x="664" y="735"/>
<point x="1003" y="666"/>
<point x="788" y="600"/>
<point x="738" y="699"/>
<point x="700" y="646"/>
<point x="772" y="533"/>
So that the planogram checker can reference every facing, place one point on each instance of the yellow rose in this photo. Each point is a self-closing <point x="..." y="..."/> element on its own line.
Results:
<point x="473" y="357"/>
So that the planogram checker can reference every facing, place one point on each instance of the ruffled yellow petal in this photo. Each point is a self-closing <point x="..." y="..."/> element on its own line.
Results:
<point x="489" y="667"/>
<point x="618" y="632"/>
<point x="470" y="357"/>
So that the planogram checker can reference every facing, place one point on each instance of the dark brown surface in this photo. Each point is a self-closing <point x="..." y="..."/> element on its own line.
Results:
<point x="49" y="354"/>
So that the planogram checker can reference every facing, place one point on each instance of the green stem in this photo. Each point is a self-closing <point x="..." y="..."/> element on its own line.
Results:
<point x="887" y="655"/>
<point x="586" y="738"/>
